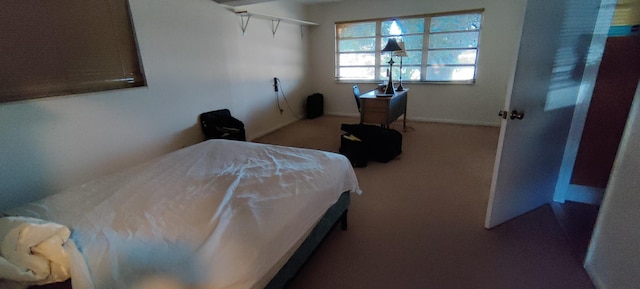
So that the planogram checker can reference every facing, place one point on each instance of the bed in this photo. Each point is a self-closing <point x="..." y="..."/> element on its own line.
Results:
<point x="218" y="214"/>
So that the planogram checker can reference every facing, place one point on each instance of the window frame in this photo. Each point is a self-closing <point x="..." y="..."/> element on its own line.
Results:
<point x="378" y="67"/>
<point x="66" y="48"/>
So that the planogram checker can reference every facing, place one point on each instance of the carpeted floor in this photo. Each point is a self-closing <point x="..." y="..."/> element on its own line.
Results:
<point x="419" y="222"/>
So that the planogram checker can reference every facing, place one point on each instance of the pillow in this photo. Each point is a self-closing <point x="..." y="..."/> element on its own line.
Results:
<point x="33" y="251"/>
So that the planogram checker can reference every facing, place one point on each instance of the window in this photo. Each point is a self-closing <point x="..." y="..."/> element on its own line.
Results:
<point x="440" y="48"/>
<point x="50" y="48"/>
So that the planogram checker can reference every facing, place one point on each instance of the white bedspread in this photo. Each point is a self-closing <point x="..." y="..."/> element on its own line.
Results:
<point x="218" y="214"/>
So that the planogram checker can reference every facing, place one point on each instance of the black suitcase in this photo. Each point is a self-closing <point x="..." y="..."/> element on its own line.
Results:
<point x="315" y="105"/>
<point x="382" y="144"/>
<point x="354" y="149"/>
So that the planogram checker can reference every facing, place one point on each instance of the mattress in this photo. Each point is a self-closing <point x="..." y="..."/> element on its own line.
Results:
<point x="218" y="214"/>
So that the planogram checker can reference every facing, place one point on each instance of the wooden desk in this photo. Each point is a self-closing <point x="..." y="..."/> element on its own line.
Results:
<point x="383" y="109"/>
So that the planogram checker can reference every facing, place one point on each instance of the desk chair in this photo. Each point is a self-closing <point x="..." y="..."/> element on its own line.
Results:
<point x="356" y="94"/>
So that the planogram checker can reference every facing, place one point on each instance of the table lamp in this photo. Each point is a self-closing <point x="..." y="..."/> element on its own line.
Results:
<point x="401" y="53"/>
<point x="392" y="45"/>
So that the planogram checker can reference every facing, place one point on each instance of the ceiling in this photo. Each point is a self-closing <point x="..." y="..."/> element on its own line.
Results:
<point x="249" y="2"/>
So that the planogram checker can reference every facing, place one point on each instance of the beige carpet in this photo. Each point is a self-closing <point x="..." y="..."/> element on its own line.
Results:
<point x="419" y="222"/>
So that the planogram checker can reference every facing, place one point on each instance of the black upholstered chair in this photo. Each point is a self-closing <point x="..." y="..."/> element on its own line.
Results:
<point x="220" y="124"/>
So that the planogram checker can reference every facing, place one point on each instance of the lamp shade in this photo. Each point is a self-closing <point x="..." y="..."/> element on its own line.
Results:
<point x="400" y="52"/>
<point x="392" y="45"/>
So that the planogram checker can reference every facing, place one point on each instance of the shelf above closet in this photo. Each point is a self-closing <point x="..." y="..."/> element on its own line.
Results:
<point x="245" y="16"/>
<point x="275" y="18"/>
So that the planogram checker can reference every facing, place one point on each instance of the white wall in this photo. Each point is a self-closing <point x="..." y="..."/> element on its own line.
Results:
<point x="195" y="58"/>
<point x="468" y="104"/>
<point x="613" y="260"/>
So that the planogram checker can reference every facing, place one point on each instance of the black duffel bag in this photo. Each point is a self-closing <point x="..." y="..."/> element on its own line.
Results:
<point x="381" y="144"/>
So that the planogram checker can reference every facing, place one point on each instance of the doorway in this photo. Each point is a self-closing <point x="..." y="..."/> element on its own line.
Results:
<point x="607" y="115"/>
<point x="515" y="192"/>
<point x="608" y="111"/>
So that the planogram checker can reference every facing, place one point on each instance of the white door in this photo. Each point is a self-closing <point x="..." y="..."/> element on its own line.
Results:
<point x="544" y="89"/>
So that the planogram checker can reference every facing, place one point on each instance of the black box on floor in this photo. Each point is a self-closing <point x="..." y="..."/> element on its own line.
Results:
<point x="354" y="149"/>
<point x="381" y="144"/>
<point x="315" y="105"/>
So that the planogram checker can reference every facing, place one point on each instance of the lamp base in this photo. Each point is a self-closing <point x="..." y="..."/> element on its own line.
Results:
<point x="400" y="88"/>
<point x="390" y="89"/>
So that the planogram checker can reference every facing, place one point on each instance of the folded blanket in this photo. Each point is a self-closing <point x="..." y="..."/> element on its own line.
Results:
<point x="33" y="251"/>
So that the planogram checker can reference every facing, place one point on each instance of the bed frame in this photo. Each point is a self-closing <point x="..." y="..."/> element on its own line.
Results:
<point x="337" y="213"/>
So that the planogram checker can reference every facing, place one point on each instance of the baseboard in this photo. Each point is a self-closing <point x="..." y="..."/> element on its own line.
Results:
<point x="424" y="119"/>
<point x="584" y="194"/>
<point x="454" y="121"/>
<point x="268" y="131"/>
<point x="595" y="279"/>
<point x="356" y="115"/>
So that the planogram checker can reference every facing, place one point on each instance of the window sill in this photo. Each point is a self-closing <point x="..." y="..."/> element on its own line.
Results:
<point x="356" y="81"/>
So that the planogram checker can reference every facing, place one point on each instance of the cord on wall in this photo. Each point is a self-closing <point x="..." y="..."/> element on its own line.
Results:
<point x="275" y="88"/>
<point x="278" y="83"/>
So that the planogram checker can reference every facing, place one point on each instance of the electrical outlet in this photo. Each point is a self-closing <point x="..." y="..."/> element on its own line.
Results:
<point x="275" y="84"/>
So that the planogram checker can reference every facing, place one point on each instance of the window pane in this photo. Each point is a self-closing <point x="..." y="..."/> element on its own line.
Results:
<point x="402" y="26"/>
<point x="351" y="59"/>
<point x="415" y="25"/>
<point x="384" y="58"/>
<point x="450" y="73"/>
<point x="357" y="45"/>
<point x="385" y="77"/>
<point x="393" y="27"/>
<point x="456" y="22"/>
<point x="365" y="29"/>
<point x="356" y="73"/>
<point x="412" y="42"/>
<point x="408" y="73"/>
<point x="413" y="57"/>
<point x="453" y="40"/>
<point x="467" y="56"/>
<point x="411" y="72"/>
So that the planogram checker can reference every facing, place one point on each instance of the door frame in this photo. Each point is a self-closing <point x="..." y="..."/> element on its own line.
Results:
<point x="564" y="189"/>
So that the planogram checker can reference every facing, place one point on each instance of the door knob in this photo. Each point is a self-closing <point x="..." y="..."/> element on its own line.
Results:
<point x="516" y="115"/>
<point x="513" y="115"/>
